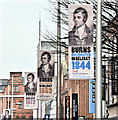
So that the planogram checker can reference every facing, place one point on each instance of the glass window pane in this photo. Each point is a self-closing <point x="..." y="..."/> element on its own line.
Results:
<point x="16" y="87"/>
<point x="21" y="104"/>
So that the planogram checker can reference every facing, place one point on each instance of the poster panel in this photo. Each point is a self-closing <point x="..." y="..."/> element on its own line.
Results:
<point x="91" y="96"/>
<point x="6" y="114"/>
<point x="46" y="75"/>
<point x="81" y="60"/>
<point x="67" y="107"/>
<point x="30" y="90"/>
<point x="74" y="106"/>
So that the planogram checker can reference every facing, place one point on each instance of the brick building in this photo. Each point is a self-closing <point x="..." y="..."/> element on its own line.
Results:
<point x="18" y="97"/>
<point x="111" y="68"/>
<point x="80" y="87"/>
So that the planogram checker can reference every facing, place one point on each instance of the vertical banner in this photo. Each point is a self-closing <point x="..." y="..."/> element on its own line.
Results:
<point x="74" y="106"/>
<point x="67" y="107"/>
<point x="46" y="75"/>
<point x="81" y="55"/>
<point x="91" y="96"/>
<point x="30" y="90"/>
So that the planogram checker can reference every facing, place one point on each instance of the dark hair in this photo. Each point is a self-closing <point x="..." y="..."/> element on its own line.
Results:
<point x="48" y="54"/>
<point x="83" y="11"/>
<point x="31" y="75"/>
<point x="7" y="111"/>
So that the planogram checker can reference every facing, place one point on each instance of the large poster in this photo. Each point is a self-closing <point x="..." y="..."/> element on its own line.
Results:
<point x="46" y="75"/>
<point x="30" y="90"/>
<point x="81" y="60"/>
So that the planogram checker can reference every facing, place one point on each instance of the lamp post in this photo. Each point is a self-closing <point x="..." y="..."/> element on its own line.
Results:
<point x="98" y="90"/>
<point x="59" y="59"/>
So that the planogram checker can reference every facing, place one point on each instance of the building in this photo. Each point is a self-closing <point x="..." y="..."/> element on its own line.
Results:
<point x="110" y="68"/>
<point x="81" y="88"/>
<point x="14" y="101"/>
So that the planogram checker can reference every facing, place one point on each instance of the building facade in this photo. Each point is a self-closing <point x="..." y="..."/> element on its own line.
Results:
<point x="14" y="101"/>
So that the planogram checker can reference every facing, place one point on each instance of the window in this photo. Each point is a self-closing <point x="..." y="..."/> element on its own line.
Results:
<point x="21" y="104"/>
<point x="17" y="117"/>
<point x="30" y="117"/>
<point x="23" y="117"/>
<point x="16" y="87"/>
<point x="7" y="104"/>
<point x="13" y="88"/>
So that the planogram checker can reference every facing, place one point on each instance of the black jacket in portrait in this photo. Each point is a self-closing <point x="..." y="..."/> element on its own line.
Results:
<point x="34" y="89"/>
<point x="42" y="73"/>
<point x="75" y="40"/>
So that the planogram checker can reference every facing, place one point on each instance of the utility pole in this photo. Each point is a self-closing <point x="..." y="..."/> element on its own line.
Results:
<point x="59" y="58"/>
<point x="12" y="97"/>
<point x="38" y="100"/>
<point x="98" y="90"/>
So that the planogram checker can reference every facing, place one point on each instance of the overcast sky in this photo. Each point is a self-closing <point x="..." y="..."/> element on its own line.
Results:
<point x="19" y="20"/>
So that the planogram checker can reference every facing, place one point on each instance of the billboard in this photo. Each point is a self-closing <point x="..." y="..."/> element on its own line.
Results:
<point x="30" y="90"/>
<point x="46" y="75"/>
<point x="81" y="60"/>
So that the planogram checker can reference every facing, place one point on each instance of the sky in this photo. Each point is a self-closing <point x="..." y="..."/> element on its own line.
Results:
<point x="19" y="29"/>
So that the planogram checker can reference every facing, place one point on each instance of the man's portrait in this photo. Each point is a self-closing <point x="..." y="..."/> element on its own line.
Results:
<point x="7" y="115"/>
<point x="80" y="33"/>
<point x="30" y="86"/>
<point x="46" y="68"/>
